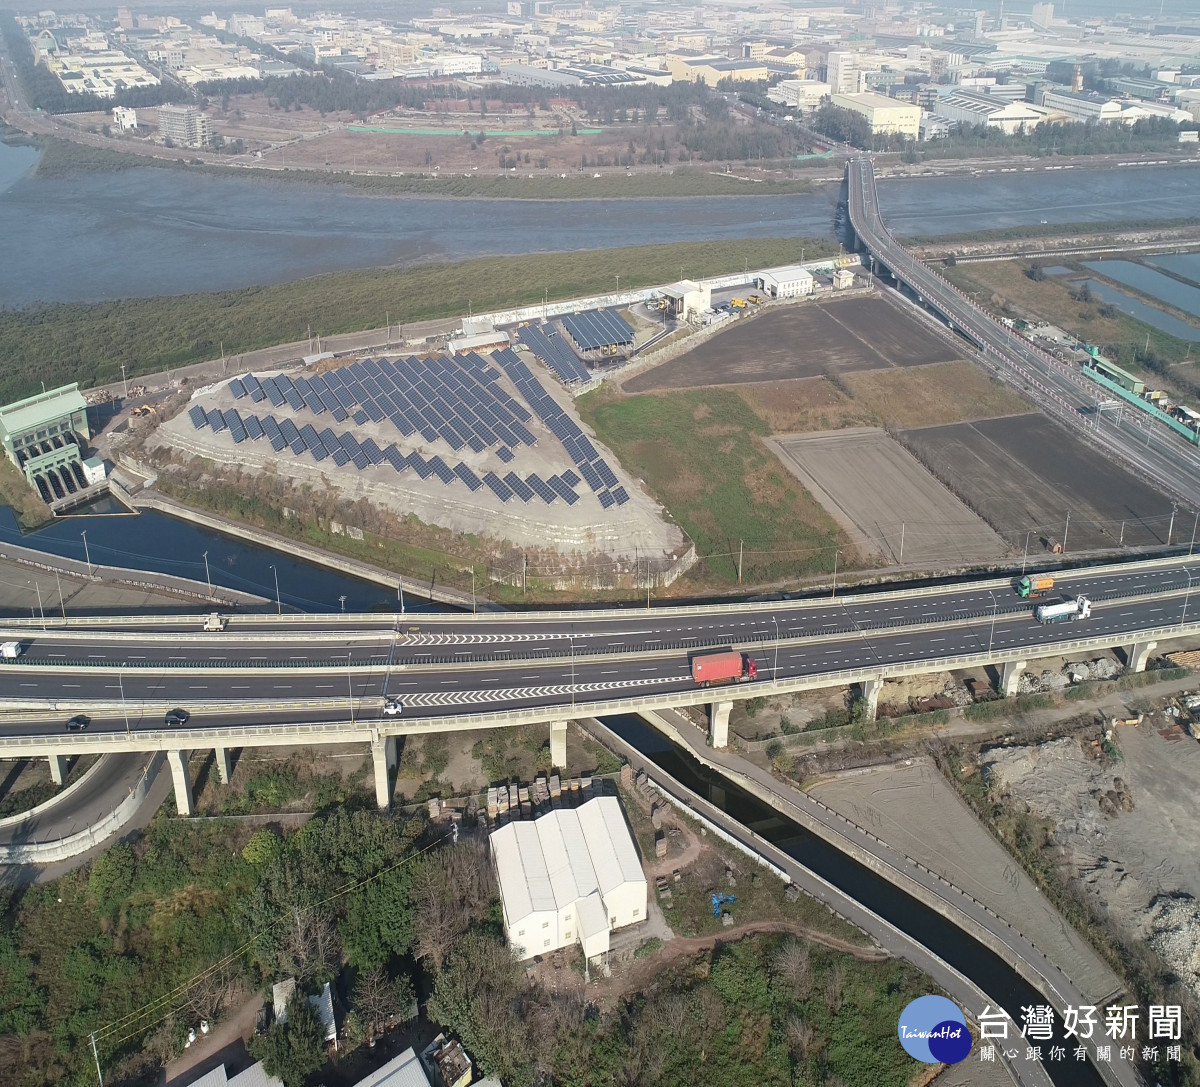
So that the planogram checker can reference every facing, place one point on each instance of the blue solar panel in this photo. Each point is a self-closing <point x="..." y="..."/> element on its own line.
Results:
<point x="505" y="454"/>
<point x="294" y="399"/>
<point x="237" y="388"/>
<point x="216" y="420"/>
<point x="621" y="495"/>
<point x="606" y="499"/>
<point x="497" y="486"/>
<point x="606" y="473"/>
<point x="464" y="473"/>
<point x="198" y="417"/>
<point x="570" y="478"/>
<point x="519" y="487"/>
<point x="274" y="393"/>
<point x="591" y="476"/>
<point x="271" y="430"/>
<point x="253" y="427"/>
<point x="559" y="486"/>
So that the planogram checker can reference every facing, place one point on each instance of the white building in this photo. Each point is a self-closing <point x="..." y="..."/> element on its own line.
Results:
<point x="687" y="297"/>
<point x="844" y="73"/>
<point x="799" y="93"/>
<point x="254" y="1076"/>
<point x="569" y="877"/>
<point x="1083" y="107"/>
<point x="790" y="281"/>
<point x="457" y="64"/>
<point x="125" y="119"/>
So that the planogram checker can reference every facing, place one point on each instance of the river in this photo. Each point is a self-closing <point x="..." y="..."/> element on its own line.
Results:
<point x="152" y="231"/>
<point x="994" y="976"/>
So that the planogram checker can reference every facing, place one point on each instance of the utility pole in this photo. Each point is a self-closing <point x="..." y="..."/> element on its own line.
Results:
<point x="1065" y="531"/>
<point x="342" y="601"/>
<point x="96" y="1055"/>
<point x="278" y="602"/>
<point x="833" y="596"/>
<point x="1171" y="526"/>
<point x="86" y="553"/>
<point x="902" y="543"/>
<point x="208" y="576"/>
<point x="1195" y="525"/>
<point x="400" y="594"/>
<point x="124" y="381"/>
<point x="740" y="542"/>
<point x="61" y="602"/>
<point x="40" y="608"/>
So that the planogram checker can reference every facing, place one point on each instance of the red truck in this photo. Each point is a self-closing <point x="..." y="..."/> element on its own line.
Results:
<point x="727" y="666"/>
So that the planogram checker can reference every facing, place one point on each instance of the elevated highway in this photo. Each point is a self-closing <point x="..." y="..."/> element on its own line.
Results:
<point x="1057" y="388"/>
<point x="304" y="680"/>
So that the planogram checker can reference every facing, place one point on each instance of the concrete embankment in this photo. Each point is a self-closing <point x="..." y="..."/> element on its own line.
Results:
<point x="182" y="589"/>
<point x="352" y="567"/>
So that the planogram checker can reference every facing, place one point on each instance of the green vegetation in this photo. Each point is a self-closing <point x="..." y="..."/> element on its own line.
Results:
<point x="1044" y="230"/>
<point x="1007" y="707"/>
<point x="63" y="158"/>
<point x="15" y="491"/>
<point x="88" y="342"/>
<point x="702" y="455"/>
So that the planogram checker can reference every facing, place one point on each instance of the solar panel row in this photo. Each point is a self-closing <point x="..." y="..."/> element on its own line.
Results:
<point x="593" y="468"/>
<point x="555" y="353"/>
<point x="598" y="328"/>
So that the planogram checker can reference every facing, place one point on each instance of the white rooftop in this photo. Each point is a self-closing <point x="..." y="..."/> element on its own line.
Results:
<point x="254" y="1076"/>
<point x="403" y="1070"/>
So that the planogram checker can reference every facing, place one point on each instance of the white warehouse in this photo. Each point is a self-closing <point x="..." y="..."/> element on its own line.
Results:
<point x="793" y="281"/>
<point x="570" y="877"/>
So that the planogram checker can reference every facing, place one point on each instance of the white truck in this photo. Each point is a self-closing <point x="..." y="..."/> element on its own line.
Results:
<point x="214" y="622"/>
<point x="10" y="650"/>
<point x="1065" y="611"/>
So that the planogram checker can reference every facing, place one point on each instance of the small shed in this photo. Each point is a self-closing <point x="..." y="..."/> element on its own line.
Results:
<point x="842" y="279"/>
<point x="687" y="297"/>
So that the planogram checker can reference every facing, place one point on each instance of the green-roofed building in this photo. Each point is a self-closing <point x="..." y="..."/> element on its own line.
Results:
<point x="45" y="432"/>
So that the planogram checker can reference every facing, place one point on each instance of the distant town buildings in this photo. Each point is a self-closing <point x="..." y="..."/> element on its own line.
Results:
<point x="124" y="119"/>
<point x="886" y="116"/>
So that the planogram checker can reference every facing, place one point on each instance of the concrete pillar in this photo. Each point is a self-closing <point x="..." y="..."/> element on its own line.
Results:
<point x="223" y="764"/>
<point x="1009" y="675"/>
<point x="58" y="767"/>
<point x="1137" y="655"/>
<point x="383" y="755"/>
<point x="558" y="744"/>
<point x="871" y="689"/>
<point x="178" y="761"/>
<point x="718" y="724"/>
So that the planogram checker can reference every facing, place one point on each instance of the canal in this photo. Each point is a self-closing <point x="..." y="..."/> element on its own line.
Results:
<point x="168" y="545"/>
<point x="994" y="976"/>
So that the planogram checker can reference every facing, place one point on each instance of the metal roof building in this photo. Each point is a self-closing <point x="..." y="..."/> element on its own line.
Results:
<point x="403" y="1070"/>
<point x="39" y="432"/>
<point x="571" y="876"/>
<point x="254" y="1076"/>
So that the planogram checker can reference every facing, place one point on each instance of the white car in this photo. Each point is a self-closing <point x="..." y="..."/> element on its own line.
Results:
<point x="393" y="707"/>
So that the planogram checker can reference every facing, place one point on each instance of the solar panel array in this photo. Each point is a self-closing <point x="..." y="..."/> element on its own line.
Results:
<point x="554" y="351"/>
<point x="598" y="328"/>
<point x="458" y="400"/>
<point x="592" y="467"/>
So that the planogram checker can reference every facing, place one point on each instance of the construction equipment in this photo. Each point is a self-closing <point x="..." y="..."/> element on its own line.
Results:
<point x="738" y="303"/>
<point x="719" y="900"/>
<point x="1132" y="722"/>
<point x="756" y="300"/>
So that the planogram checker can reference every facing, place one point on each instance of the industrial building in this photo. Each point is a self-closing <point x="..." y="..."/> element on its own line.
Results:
<point x="792" y="281"/>
<point x="183" y="125"/>
<point x="686" y="297"/>
<point x="44" y="435"/>
<point x="569" y="877"/>
<point x="886" y="116"/>
<point x="977" y="108"/>
<point x="799" y="93"/>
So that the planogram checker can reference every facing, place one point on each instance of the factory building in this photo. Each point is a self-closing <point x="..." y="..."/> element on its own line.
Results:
<point x="43" y="435"/>
<point x="569" y="877"/>
<point x="886" y="116"/>
<point x="793" y="281"/>
<point x="976" y="108"/>
<point x="686" y="297"/>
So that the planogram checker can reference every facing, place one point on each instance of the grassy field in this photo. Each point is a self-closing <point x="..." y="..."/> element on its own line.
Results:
<point x="88" y="342"/>
<point x="63" y="158"/>
<point x="700" y="454"/>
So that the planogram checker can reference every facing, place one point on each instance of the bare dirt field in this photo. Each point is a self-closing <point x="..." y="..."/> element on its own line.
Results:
<point x="1139" y="859"/>
<point x="885" y="498"/>
<point x="914" y="809"/>
<point x="1024" y="473"/>
<point x="804" y="340"/>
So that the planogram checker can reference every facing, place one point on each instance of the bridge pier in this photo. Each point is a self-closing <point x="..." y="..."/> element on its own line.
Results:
<point x="558" y="744"/>
<point x="383" y="755"/>
<point x="224" y="767"/>
<point x="871" y="689"/>
<point x="718" y="724"/>
<point x="58" y="765"/>
<point x="1137" y="655"/>
<point x="178" y="761"/>
<point x="1009" y="675"/>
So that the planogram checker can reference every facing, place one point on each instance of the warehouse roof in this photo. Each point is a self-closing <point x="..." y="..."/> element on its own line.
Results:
<point x="254" y="1076"/>
<point x="403" y="1070"/>
<point x="565" y="856"/>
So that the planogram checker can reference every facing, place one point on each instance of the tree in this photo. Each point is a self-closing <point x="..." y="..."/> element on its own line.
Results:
<point x="261" y="849"/>
<point x="451" y="889"/>
<point x="378" y="997"/>
<point x="295" y="1049"/>
<point x="379" y="921"/>
<point x="111" y="877"/>
<point x="793" y="964"/>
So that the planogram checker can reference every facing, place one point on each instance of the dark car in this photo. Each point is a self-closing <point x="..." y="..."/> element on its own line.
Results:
<point x="78" y="723"/>
<point x="177" y="717"/>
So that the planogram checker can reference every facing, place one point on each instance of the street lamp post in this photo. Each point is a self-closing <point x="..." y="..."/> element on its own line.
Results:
<point x="1025" y="557"/>
<point x="350" y="684"/>
<point x="61" y="602"/>
<point x="400" y="593"/>
<point x="1186" y="597"/>
<point x="87" y="554"/>
<point x="124" y="381"/>
<point x="124" y="707"/>
<point x="571" y="637"/>
<point x="835" y="562"/>
<point x="473" y="611"/>
<point x="41" y="610"/>
<point x="995" y="609"/>
<point x="775" y="670"/>
<point x="278" y="601"/>
<point x="208" y="576"/>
